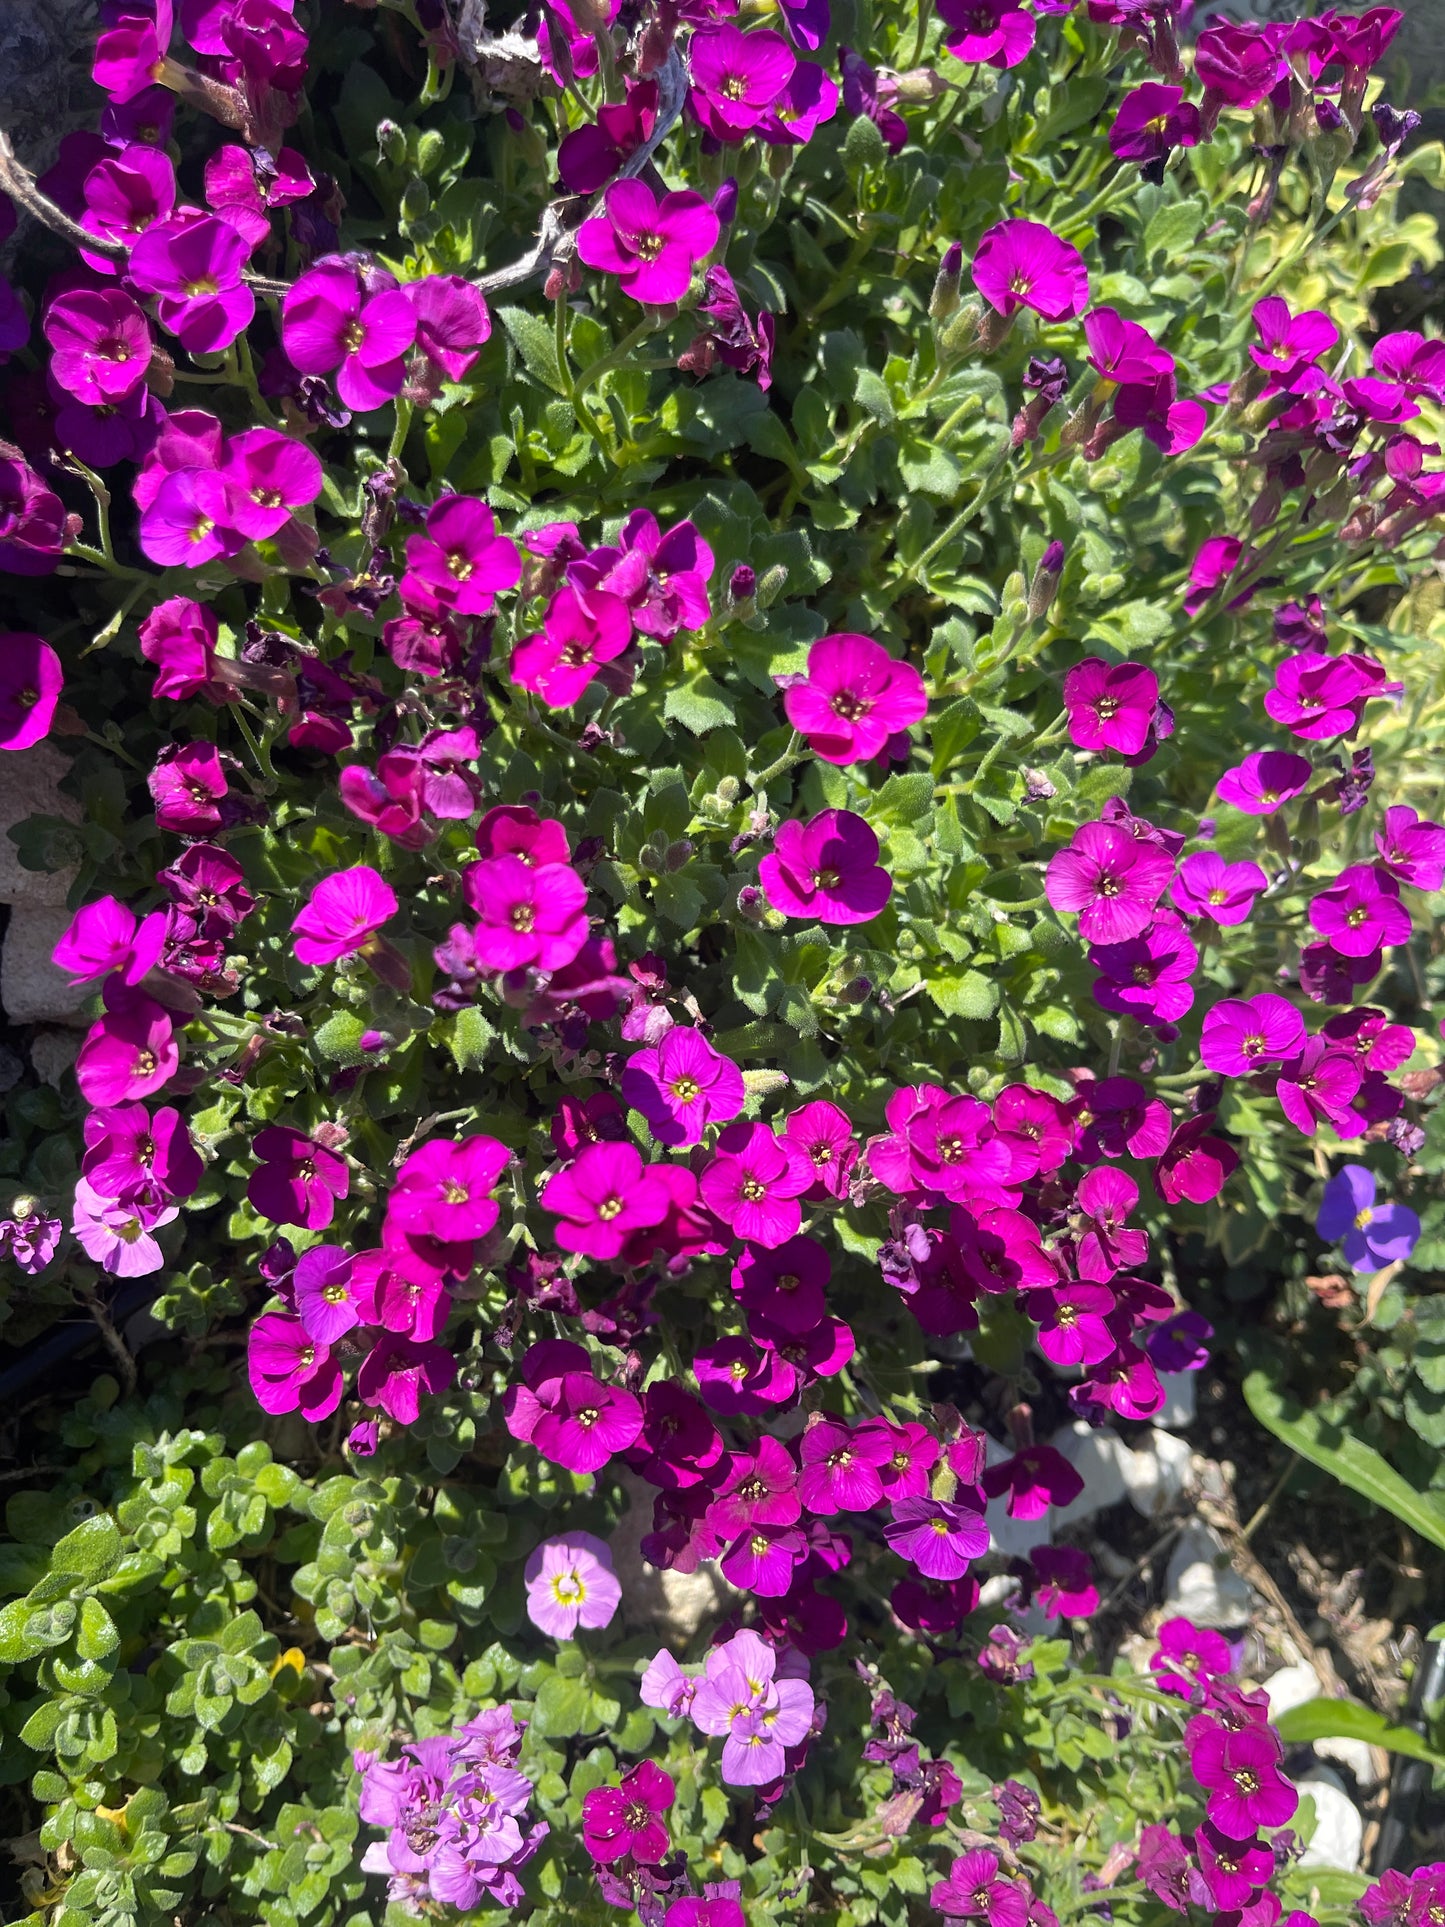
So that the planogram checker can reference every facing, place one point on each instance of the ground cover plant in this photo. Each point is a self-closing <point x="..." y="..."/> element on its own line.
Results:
<point x="750" y="697"/>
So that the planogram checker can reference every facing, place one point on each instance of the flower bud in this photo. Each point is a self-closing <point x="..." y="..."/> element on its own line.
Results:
<point x="1045" y="585"/>
<point x="944" y="299"/>
<point x="772" y="585"/>
<point x="751" y="903"/>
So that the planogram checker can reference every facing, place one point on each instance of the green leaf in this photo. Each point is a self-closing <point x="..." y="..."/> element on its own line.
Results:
<point x="533" y="339"/>
<point x="965" y="994"/>
<point x="471" y="1040"/>
<point x="90" y="1551"/>
<point x="699" y="705"/>
<point x="1347" y="1459"/>
<point x="1324" y="1719"/>
<point x="96" y="1636"/>
<point x="903" y="799"/>
<point x="562" y="1707"/>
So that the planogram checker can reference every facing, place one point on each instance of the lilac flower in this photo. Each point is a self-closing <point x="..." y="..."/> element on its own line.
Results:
<point x="30" y="1240"/>
<point x="742" y="1699"/>
<point x="682" y="1086"/>
<point x="826" y="868"/>
<point x="652" y="246"/>
<point x="854" y="698"/>
<point x="192" y="265"/>
<point x="116" y="1235"/>
<point x="1264" y="780"/>
<point x="1361" y="911"/>
<point x="1242" y="1035"/>
<point x="100" y="344"/>
<point x="570" y="1583"/>
<point x="996" y="32"/>
<point x="1207" y="886"/>
<point x="1023" y="264"/>
<point x="1111" y="879"/>
<point x="332" y="325"/>
<point x="1374" y="1235"/>
<point x="940" y="1538"/>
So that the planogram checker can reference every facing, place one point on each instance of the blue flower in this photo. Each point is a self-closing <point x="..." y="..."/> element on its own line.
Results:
<point x="1374" y="1235"/>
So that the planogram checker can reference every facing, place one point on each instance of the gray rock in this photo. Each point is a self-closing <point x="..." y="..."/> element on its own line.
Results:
<point x="1097" y="1455"/>
<point x="32" y="990"/>
<point x="1156" y="1474"/>
<point x="52" y="1052"/>
<point x="29" y="786"/>
<point x="674" y="1605"/>
<point x="1339" y="1825"/>
<point x="1201" y="1584"/>
<point x="1177" y="1410"/>
<point x="45" y="85"/>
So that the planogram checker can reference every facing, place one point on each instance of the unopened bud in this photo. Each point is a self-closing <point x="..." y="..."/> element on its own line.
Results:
<point x="390" y="142"/>
<point x="1045" y="585"/>
<point x="742" y="588"/>
<point x="751" y="903"/>
<point x="765" y="1083"/>
<point x="728" y="790"/>
<point x="944" y="299"/>
<point x="677" y="854"/>
<point x="415" y="200"/>
<point x="772" y="585"/>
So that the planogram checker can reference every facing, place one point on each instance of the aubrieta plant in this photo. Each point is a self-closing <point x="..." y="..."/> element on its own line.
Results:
<point x="733" y="677"/>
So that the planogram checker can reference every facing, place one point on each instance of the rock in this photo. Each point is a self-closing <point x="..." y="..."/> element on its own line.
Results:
<point x="52" y="1052"/>
<point x="32" y="990"/>
<point x="1156" y="1474"/>
<point x="1201" y="1584"/>
<point x="1359" y="1760"/>
<point x="1339" y="1825"/>
<point x="46" y="48"/>
<point x="29" y="786"/>
<point x="1179" y="1395"/>
<point x="1097" y="1455"/>
<point x="675" y="1605"/>
<point x="1291" y="1686"/>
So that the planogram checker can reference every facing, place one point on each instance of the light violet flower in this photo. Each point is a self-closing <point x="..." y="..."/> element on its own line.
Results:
<point x="570" y="1583"/>
<point x="344" y="912"/>
<point x="116" y="1235"/>
<point x="854" y="698"/>
<point x="652" y="246"/>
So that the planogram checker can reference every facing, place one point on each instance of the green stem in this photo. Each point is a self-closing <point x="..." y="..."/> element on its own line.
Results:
<point x="258" y="747"/>
<point x="399" y="432"/>
<point x="106" y="562"/>
<point x="795" y="753"/>
<point x="920" y="39"/>
<point x="960" y="521"/>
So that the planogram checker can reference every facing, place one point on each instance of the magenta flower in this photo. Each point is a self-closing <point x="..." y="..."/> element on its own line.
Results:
<point x="1360" y="911"/>
<point x="1112" y="880"/>
<point x="573" y="1419"/>
<point x="602" y="1197"/>
<point x="661" y="577"/>
<point x="129" y="1053"/>
<point x="326" y="1301"/>
<point x="997" y="32"/>
<point x="1290" y="345"/>
<point x="1263" y="781"/>
<point x="1035" y="1478"/>
<point x="570" y="1583"/>
<point x="1147" y="977"/>
<point x="826" y="868"/>
<point x="100" y="344"/>
<point x="1239" y="1771"/>
<point x="330" y="324"/>
<point x="271" y="474"/>
<point x="735" y="1377"/>
<point x="1239" y="66"/>
<point x="396" y="1371"/>
<point x="825" y="1135"/>
<point x="31" y="1241"/>
<point x="976" y="1889"/>
<point x="210" y="886"/>
<point x="124" y="194"/>
<point x="736" y="77"/>
<point x="343" y="914"/>
<point x="1104" y="1200"/>
<point x="1207" y="886"/>
<point x="452" y="322"/>
<point x="1320" y="697"/>
<point x="940" y="1538"/>
<point x="192" y="265"/>
<point x="1242" y="1035"/>
<point x="759" y="1489"/>
<point x="31" y="680"/>
<point x="444" y="1189"/>
<point x="461" y="563"/>
<point x="1072" y="1322"/>
<point x="1110" y="705"/>
<point x="624" y="1822"/>
<point x="1194" y="1165"/>
<point x="191" y="519"/>
<point x="32" y="520"/>
<point x="855" y="697"/>
<point x="1152" y="119"/>
<point x="298" y="1181"/>
<point x="754" y="1183"/>
<point x="763" y="1559"/>
<point x="180" y="636"/>
<point x="527" y="916"/>
<point x="840" y="1467"/>
<point x="682" y="1086"/>
<point x="1412" y="848"/>
<point x="1318" y="1087"/>
<point x="1022" y="264"/>
<point x="117" y="1235"/>
<point x="289" y="1371"/>
<point x="130" y="1155"/>
<point x="1065" y="1588"/>
<point x="578" y="637"/>
<point x="188" y="786"/>
<point x="652" y="246"/>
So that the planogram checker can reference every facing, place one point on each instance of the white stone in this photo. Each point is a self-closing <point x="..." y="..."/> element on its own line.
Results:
<point x="676" y="1605"/>
<point x="52" y="1052"/>
<point x="1201" y="1584"/>
<point x="32" y="990"/>
<point x="1097" y="1455"/>
<point x="29" y="780"/>
<point x="1290" y="1687"/>
<point x="1156" y="1475"/>
<point x="1339" y="1825"/>
<point x="1356" y="1756"/>
<point x="1179" y="1396"/>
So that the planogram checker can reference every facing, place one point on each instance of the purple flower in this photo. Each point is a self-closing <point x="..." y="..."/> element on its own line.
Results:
<point x="840" y="1467"/>
<point x="1319" y="1086"/>
<point x="191" y="519"/>
<point x="192" y="265"/>
<point x="1242" y="1035"/>
<point x="31" y="680"/>
<point x="625" y="1822"/>
<point x="826" y="868"/>
<point x="1180" y="1343"/>
<point x="976" y="1889"/>
<point x="854" y="698"/>
<point x="289" y="1371"/>
<point x="652" y="246"/>
<point x="1290" y="345"/>
<point x="1264" y="780"/>
<point x="1152" y="119"/>
<point x="1147" y="977"/>
<point x="32" y="520"/>
<point x="298" y="1180"/>
<point x="331" y="325"/>
<point x="754" y="1182"/>
<point x="941" y="1539"/>
<point x="343" y="914"/>
<point x="100" y="344"/>
<point x="763" y="1559"/>
<point x="452" y="322"/>
<point x="1240" y="1774"/>
<point x="1036" y="1477"/>
<point x="1361" y="911"/>
<point x="682" y="1086"/>
<point x="591" y="155"/>
<point x="1412" y="848"/>
<point x="1207" y="886"/>
<point x="867" y="92"/>
<point x="570" y="1583"/>
<point x="1374" y="1235"/>
<point x="1110" y="705"/>
<point x="397" y="1370"/>
<point x="997" y="32"/>
<point x="1112" y="879"/>
<point x="325" y="1298"/>
<point x="1023" y="264"/>
<point x="117" y="1236"/>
